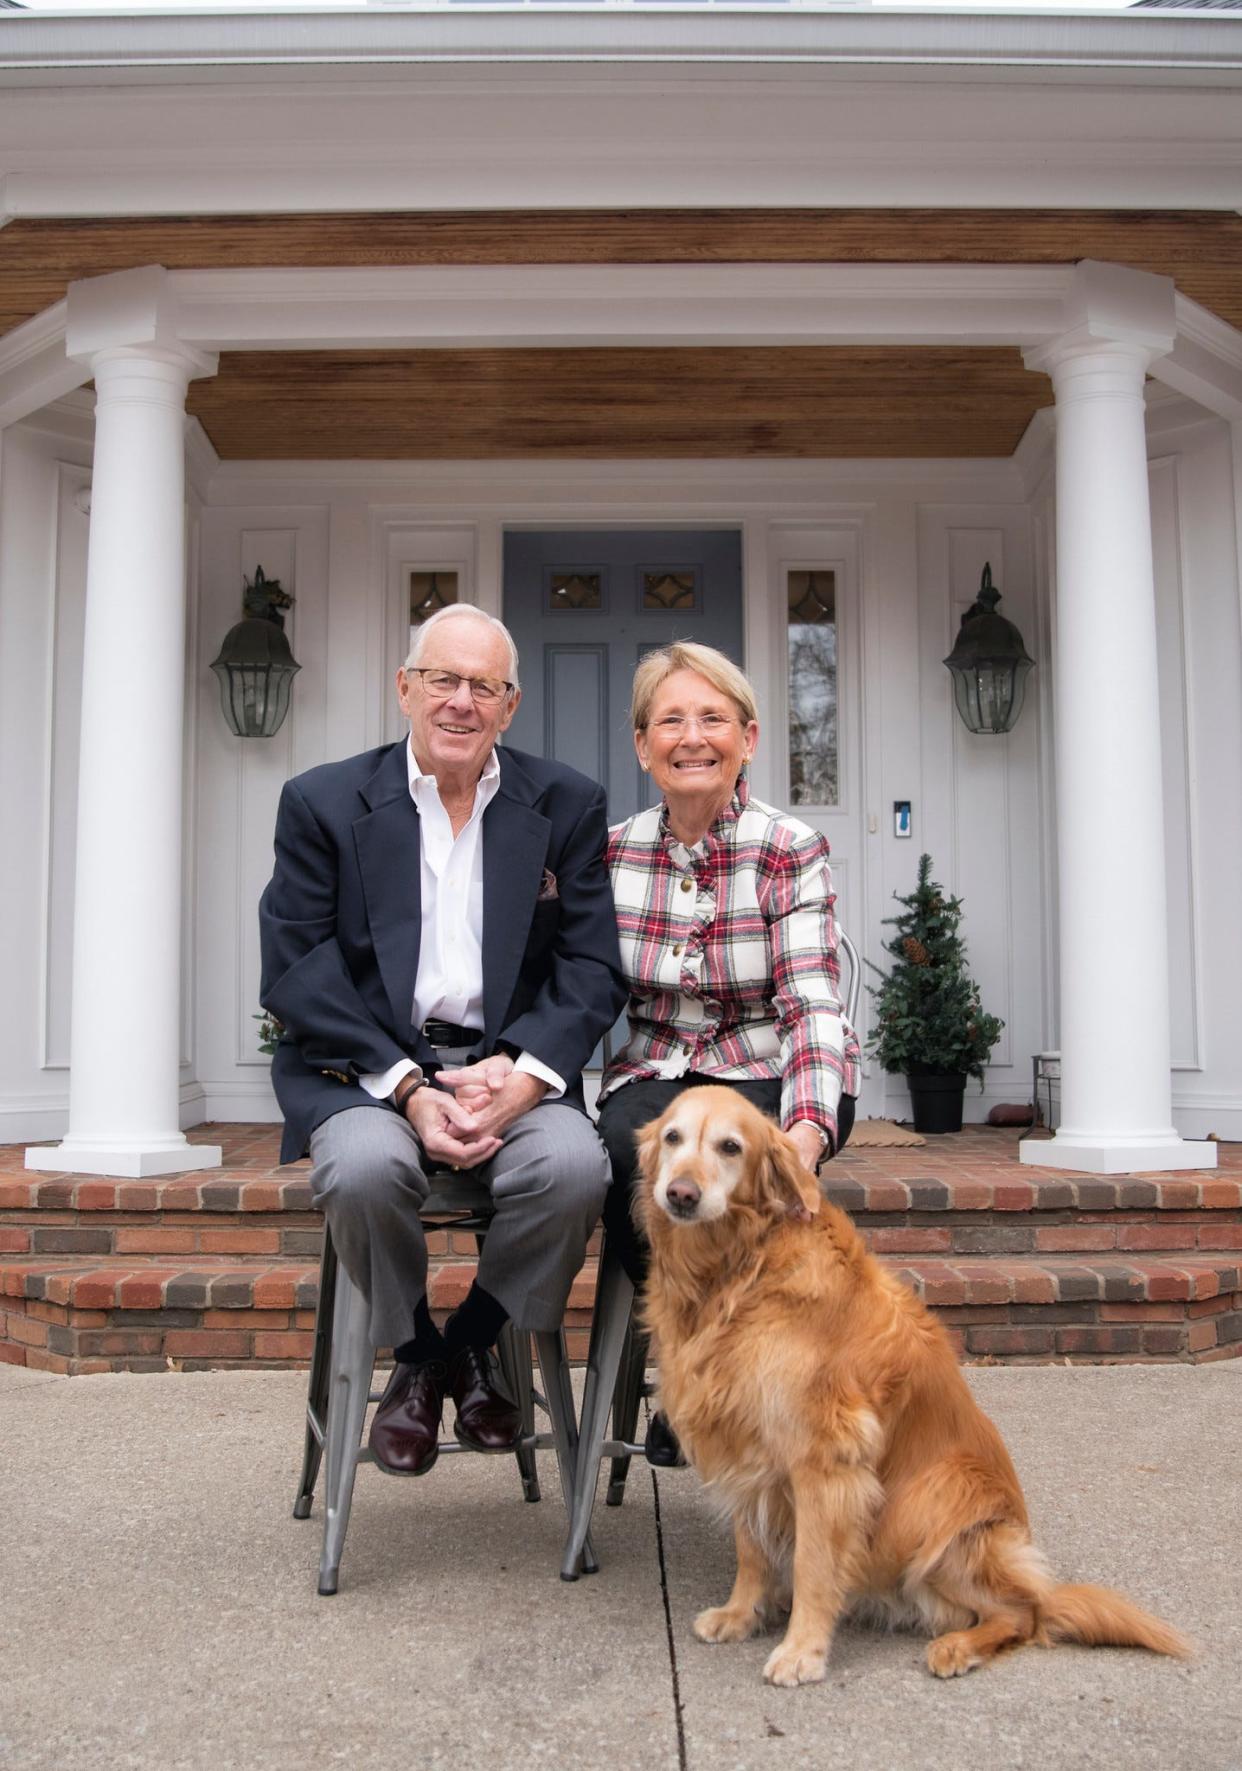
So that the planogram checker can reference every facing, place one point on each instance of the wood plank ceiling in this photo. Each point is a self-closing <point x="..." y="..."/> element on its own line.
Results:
<point x="490" y="404"/>
<point x="743" y="401"/>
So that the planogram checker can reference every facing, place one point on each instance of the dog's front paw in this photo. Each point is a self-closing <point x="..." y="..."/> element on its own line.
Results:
<point x="950" y="1656"/>
<point x="795" y="1666"/>
<point x="722" y="1623"/>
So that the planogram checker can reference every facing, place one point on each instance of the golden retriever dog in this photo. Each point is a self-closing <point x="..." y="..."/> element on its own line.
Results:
<point x="823" y="1406"/>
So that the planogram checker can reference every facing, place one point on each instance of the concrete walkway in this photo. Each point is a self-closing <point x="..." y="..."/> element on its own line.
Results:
<point x="158" y="1606"/>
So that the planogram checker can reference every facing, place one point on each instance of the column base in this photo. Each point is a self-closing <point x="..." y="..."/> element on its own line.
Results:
<point x="1104" y="1155"/>
<point x="134" y="1160"/>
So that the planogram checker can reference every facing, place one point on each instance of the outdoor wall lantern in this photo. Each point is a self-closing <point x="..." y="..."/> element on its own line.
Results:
<point x="988" y="665"/>
<point x="255" y="667"/>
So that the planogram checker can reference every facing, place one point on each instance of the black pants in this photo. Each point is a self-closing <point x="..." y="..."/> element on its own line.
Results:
<point x="634" y="1105"/>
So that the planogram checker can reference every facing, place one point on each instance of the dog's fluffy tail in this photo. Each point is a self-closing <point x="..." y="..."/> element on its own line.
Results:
<point x="1098" y="1617"/>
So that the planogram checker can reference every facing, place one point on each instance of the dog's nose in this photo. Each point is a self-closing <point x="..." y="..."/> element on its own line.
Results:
<point x="683" y="1194"/>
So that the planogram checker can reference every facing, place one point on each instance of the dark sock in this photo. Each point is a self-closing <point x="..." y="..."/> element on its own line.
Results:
<point x="428" y="1342"/>
<point x="476" y="1323"/>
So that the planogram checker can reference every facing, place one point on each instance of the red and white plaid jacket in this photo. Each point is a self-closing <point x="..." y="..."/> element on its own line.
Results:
<point x="730" y="953"/>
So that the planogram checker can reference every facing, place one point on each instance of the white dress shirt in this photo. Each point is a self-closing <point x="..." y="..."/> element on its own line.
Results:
<point x="449" y="985"/>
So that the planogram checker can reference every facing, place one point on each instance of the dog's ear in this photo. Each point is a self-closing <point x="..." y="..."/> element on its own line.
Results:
<point x="788" y="1180"/>
<point x="647" y="1148"/>
<point x="647" y="1145"/>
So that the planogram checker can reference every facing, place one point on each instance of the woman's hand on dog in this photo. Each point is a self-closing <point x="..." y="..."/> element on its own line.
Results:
<point x="806" y="1141"/>
<point x="807" y="1144"/>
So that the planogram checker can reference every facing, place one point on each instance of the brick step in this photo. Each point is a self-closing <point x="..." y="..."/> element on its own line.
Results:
<point x="145" y="1314"/>
<point x="236" y="1214"/>
<point x="959" y="1214"/>
<point x="67" y="1315"/>
<point x="228" y="1217"/>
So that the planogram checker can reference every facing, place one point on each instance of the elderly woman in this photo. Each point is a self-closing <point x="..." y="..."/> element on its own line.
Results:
<point x="728" y="944"/>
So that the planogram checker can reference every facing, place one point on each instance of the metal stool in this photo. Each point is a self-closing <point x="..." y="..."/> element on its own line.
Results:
<point x="344" y="1359"/>
<point x="616" y="1358"/>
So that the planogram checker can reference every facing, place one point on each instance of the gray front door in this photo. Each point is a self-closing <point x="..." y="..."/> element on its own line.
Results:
<point x="584" y="605"/>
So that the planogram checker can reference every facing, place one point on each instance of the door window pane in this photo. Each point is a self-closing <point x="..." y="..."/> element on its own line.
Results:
<point x="575" y="590"/>
<point x="670" y="590"/>
<point x="813" y="763"/>
<point x="430" y="591"/>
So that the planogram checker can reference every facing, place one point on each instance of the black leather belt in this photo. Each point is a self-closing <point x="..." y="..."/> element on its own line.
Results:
<point x="448" y="1033"/>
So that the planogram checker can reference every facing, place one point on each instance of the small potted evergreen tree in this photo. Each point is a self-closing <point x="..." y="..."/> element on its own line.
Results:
<point x="930" y="1025"/>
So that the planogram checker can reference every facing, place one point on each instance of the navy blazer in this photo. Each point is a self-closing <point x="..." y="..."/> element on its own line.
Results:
<point x="340" y="925"/>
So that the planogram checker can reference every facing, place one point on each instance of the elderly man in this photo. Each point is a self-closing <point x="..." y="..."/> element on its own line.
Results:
<point x="439" y="944"/>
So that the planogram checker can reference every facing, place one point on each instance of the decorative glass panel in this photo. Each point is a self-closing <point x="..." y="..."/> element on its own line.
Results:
<point x="576" y="590"/>
<point x="430" y="591"/>
<point x="669" y="590"/>
<point x="813" y="767"/>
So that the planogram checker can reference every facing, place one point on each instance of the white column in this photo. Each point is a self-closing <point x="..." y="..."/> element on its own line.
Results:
<point x="126" y="1028"/>
<point x="1116" y="1099"/>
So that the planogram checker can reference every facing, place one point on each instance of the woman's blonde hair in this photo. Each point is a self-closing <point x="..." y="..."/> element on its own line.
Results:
<point x="721" y="672"/>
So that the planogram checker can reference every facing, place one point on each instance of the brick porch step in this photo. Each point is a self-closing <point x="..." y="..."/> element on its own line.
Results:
<point x="68" y="1316"/>
<point x="236" y="1213"/>
<point x="960" y="1215"/>
<point x="80" y="1317"/>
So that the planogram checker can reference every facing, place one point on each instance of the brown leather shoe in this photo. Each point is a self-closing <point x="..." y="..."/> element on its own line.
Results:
<point x="405" y="1433"/>
<point x="486" y="1419"/>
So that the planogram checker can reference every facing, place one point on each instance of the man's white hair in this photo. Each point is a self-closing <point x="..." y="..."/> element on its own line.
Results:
<point x="455" y="610"/>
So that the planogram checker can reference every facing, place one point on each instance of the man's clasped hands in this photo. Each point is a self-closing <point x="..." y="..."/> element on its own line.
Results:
<point x="460" y="1122"/>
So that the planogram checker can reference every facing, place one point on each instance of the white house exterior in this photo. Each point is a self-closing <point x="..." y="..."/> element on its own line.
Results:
<point x="1098" y="847"/>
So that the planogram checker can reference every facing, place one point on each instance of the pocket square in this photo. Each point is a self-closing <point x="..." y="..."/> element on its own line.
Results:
<point x="547" y="886"/>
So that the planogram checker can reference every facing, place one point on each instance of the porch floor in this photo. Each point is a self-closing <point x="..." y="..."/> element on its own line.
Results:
<point x="1024" y="1265"/>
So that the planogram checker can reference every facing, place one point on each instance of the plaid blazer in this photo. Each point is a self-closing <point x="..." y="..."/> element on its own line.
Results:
<point x="730" y="953"/>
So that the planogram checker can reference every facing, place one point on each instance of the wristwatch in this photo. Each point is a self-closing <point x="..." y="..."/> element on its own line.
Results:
<point x="826" y="1147"/>
<point x="413" y="1079"/>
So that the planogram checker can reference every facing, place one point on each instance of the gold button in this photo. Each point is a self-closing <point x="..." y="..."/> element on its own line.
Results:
<point x="677" y="949"/>
<point x="686" y="1050"/>
<point x="687" y="885"/>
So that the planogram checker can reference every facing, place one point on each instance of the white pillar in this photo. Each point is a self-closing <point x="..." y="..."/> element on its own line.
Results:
<point x="126" y="1029"/>
<point x="1116" y="1100"/>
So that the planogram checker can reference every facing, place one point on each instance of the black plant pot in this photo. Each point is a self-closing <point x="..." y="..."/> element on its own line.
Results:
<point x="936" y="1096"/>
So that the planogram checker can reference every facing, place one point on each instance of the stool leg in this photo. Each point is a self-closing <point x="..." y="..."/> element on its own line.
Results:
<point x="625" y="1401"/>
<point x="614" y="1298"/>
<point x="352" y="1362"/>
<point x="317" y="1385"/>
<point x="513" y="1351"/>
<point x="559" y="1394"/>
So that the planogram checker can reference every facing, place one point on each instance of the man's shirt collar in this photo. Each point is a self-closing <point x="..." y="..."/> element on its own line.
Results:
<point x="422" y="784"/>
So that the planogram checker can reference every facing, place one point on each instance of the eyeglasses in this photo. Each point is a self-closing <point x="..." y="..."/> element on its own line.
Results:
<point x="443" y="683"/>
<point x="674" y="724"/>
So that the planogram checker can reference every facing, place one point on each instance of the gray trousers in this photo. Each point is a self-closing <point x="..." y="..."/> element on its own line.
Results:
<point x="547" y="1181"/>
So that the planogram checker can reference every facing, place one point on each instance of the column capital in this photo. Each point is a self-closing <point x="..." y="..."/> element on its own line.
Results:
<point x="1125" y="319"/>
<point x="149" y="371"/>
<point x="130" y="317"/>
